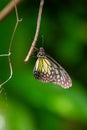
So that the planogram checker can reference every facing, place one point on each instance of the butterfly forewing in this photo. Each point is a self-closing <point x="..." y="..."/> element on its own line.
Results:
<point x="48" y="70"/>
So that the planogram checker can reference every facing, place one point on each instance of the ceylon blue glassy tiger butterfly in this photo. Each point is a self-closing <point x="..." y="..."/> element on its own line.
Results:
<point x="48" y="70"/>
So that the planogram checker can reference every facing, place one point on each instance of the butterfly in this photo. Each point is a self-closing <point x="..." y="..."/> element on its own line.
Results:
<point x="48" y="70"/>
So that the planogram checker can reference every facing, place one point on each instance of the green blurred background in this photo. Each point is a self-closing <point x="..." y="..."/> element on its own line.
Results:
<point x="26" y="103"/>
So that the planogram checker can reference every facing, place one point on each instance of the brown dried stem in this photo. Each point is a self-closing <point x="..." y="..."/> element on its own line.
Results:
<point x="8" y="9"/>
<point x="37" y="32"/>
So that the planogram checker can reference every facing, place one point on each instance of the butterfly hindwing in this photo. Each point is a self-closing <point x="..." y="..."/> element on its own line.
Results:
<point x="61" y="76"/>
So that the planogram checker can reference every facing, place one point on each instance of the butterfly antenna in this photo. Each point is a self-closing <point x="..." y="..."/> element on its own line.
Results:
<point x="42" y="40"/>
<point x="35" y="49"/>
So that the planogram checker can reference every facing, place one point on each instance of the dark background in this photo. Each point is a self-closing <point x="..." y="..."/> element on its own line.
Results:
<point x="26" y="103"/>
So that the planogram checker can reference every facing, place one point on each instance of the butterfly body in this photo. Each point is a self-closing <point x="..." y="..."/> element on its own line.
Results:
<point x="48" y="70"/>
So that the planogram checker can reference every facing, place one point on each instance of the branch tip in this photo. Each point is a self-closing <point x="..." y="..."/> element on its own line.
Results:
<point x="36" y="33"/>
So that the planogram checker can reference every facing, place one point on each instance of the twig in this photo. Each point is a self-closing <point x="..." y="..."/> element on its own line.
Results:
<point x="11" y="73"/>
<point x="5" y="54"/>
<point x="8" y="9"/>
<point x="9" y="50"/>
<point x="37" y="32"/>
<point x="16" y="25"/>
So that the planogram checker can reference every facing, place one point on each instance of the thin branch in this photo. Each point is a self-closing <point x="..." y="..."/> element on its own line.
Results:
<point x="11" y="73"/>
<point x="16" y="25"/>
<point x="37" y="32"/>
<point x="5" y="54"/>
<point x="8" y="9"/>
<point x="10" y="46"/>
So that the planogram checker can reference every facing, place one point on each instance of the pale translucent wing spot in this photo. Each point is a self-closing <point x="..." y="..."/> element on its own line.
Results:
<point x="52" y="72"/>
<point x="58" y="76"/>
<point x="42" y="69"/>
<point x="48" y="66"/>
<point x="49" y="72"/>
<point x="55" y="66"/>
<point x="62" y="82"/>
<point x="61" y="78"/>
<point x="50" y="76"/>
<point x="58" y="80"/>
<point x="56" y="71"/>
<point x="67" y="83"/>
<point x="62" y="74"/>
<point x="47" y="75"/>
<point x="37" y="63"/>
<point x="47" y="61"/>
<point x="44" y="66"/>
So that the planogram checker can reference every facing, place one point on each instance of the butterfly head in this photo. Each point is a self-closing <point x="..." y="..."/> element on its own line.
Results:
<point x="41" y="52"/>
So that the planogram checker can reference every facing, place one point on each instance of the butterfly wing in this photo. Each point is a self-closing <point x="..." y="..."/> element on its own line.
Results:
<point x="42" y="70"/>
<point x="60" y="76"/>
<point x="48" y="70"/>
